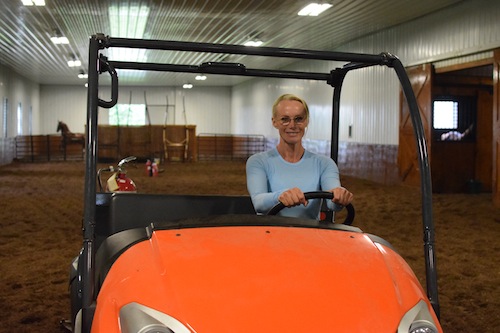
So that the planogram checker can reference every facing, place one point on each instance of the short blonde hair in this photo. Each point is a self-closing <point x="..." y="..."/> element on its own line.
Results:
<point x="290" y="97"/>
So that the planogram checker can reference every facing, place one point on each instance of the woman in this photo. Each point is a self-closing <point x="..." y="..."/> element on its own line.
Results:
<point x="284" y="173"/>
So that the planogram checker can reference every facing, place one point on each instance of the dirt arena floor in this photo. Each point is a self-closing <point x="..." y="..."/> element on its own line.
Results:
<point x="41" y="212"/>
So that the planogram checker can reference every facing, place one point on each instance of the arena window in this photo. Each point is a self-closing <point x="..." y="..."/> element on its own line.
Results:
<point x="128" y="115"/>
<point x="453" y="118"/>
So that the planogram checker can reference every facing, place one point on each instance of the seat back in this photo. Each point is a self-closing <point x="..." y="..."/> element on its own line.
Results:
<point x="134" y="210"/>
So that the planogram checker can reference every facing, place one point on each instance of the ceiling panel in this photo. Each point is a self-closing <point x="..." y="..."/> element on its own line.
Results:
<point x="25" y="32"/>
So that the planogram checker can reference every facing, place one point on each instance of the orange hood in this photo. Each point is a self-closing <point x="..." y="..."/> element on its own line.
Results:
<point x="264" y="279"/>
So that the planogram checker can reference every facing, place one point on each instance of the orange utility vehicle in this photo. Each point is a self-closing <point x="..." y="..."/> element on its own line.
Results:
<point x="191" y="263"/>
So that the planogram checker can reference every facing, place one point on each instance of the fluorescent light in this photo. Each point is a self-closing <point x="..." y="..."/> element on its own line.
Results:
<point x="34" y="2"/>
<point x="314" y="9"/>
<point x="201" y="77"/>
<point x="125" y="54"/>
<point x="128" y="21"/>
<point x="74" y="63"/>
<point x="82" y="75"/>
<point x="254" y="43"/>
<point x="59" y="40"/>
<point x="187" y="86"/>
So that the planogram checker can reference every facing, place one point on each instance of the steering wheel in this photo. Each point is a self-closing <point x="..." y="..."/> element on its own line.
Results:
<point x="318" y="195"/>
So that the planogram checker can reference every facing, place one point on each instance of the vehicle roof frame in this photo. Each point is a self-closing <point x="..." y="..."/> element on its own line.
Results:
<point x="99" y="64"/>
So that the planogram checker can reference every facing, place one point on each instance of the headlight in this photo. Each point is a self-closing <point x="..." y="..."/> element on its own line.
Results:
<point x="137" y="318"/>
<point x="422" y="326"/>
<point x="418" y="320"/>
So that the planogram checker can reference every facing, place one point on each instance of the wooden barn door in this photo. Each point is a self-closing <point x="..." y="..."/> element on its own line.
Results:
<point x="496" y="128"/>
<point x="421" y="81"/>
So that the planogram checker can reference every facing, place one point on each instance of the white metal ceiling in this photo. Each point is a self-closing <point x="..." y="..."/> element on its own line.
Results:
<point x="25" y="32"/>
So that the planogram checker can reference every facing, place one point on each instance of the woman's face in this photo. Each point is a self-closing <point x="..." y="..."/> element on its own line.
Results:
<point x="291" y="121"/>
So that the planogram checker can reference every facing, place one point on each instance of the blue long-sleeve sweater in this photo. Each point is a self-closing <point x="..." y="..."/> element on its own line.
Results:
<point x="268" y="175"/>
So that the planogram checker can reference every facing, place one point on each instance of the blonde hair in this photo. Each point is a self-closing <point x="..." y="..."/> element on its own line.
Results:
<point x="290" y="97"/>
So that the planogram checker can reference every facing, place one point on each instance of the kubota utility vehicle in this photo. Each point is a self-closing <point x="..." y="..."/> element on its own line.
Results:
<point x="192" y="263"/>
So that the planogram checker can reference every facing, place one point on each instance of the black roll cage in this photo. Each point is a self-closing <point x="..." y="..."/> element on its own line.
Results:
<point x="99" y="64"/>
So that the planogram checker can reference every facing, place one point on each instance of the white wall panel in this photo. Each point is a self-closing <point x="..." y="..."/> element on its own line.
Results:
<point x="370" y="105"/>
<point x="369" y="102"/>
<point x="463" y="60"/>
<point x="209" y="108"/>
<point x="63" y="103"/>
<point x="252" y="106"/>
<point x="19" y="91"/>
<point x="465" y="29"/>
<point x="370" y="97"/>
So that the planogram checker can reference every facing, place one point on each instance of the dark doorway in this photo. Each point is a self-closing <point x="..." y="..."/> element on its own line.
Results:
<point x="462" y="131"/>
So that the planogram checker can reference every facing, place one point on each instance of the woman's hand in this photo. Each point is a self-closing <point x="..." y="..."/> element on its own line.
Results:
<point x="293" y="197"/>
<point x="341" y="196"/>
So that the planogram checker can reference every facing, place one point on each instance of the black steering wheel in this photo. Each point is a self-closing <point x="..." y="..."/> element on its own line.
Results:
<point x="318" y="195"/>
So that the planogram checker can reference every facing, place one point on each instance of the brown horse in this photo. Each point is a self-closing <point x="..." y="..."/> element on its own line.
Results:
<point x="69" y="137"/>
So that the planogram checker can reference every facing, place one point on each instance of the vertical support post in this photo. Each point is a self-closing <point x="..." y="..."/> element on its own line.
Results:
<point x="32" y="149"/>
<point x="216" y="148"/>
<point x="88" y="255"/>
<point x="336" y="82"/>
<point x="426" y="186"/>
<point x="65" y="146"/>
<point x="47" y="141"/>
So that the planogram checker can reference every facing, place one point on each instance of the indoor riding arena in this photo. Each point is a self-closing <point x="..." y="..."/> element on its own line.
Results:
<point x="125" y="132"/>
<point x="41" y="206"/>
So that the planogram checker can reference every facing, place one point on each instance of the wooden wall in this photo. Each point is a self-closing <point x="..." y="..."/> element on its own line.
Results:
<point x="452" y="166"/>
<point x="223" y="147"/>
<point x="145" y="142"/>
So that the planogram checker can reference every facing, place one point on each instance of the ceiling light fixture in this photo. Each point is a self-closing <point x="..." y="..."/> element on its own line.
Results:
<point x="82" y="75"/>
<point x="314" y="9"/>
<point x="58" y="38"/>
<point x="33" y="2"/>
<point x="74" y="62"/>
<point x="187" y="86"/>
<point x="201" y="77"/>
<point x="254" y="43"/>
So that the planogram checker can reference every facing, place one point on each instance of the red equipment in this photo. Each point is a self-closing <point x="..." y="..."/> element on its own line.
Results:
<point x="118" y="181"/>
<point x="151" y="168"/>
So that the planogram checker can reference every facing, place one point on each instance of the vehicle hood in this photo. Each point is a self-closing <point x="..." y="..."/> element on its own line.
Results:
<point x="265" y="279"/>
